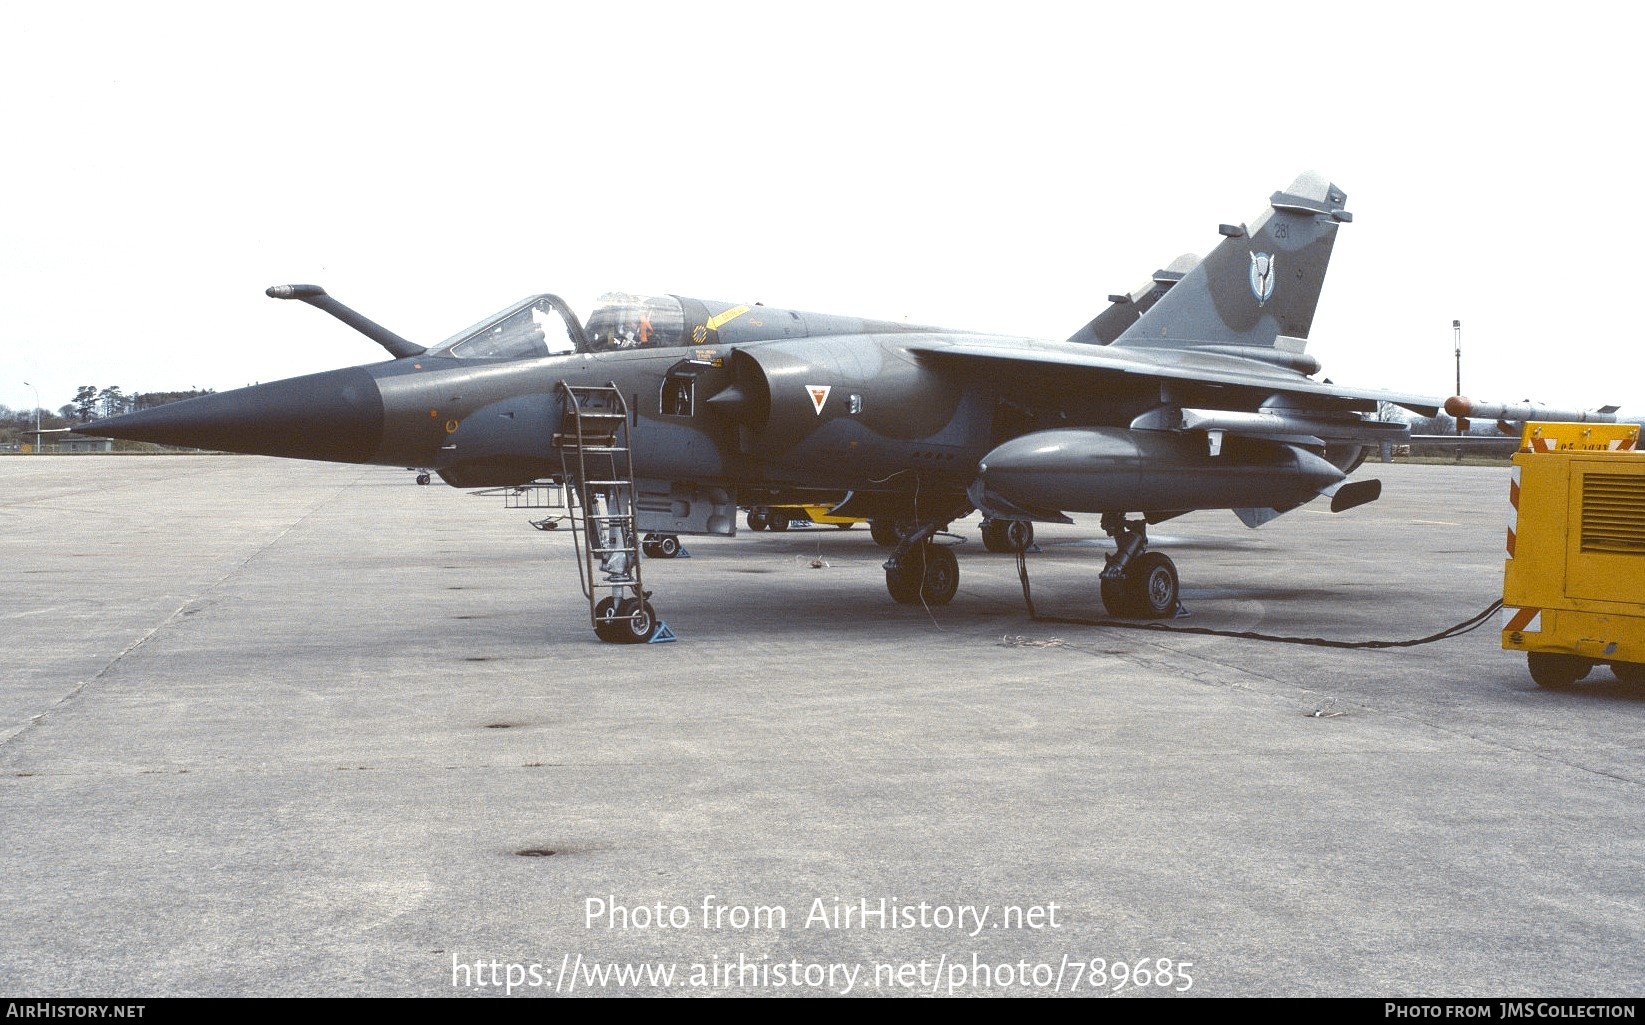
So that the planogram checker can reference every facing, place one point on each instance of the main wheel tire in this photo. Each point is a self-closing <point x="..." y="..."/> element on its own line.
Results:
<point x="777" y="522"/>
<point x="606" y="629"/>
<point x="1007" y="535"/>
<point x="1632" y="673"/>
<point x="1116" y="598"/>
<point x="759" y="519"/>
<point x="640" y="624"/>
<point x="993" y="536"/>
<point x="928" y="574"/>
<point x="649" y="548"/>
<point x="883" y="531"/>
<point x="903" y="581"/>
<point x="1151" y="584"/>
<point x="668" y="546"/>
<point x="941" y="576"/>
<point x="1019" y="534"/>
<point x="1555" y="671"/>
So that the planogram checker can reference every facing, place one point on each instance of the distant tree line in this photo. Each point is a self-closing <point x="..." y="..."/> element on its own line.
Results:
<point x="90" y="403"/>
<point x="93" y="403"/>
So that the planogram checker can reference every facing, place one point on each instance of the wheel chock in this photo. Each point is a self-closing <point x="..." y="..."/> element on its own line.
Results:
<point x="663" y="635"/>
<point x="682" y="554"/>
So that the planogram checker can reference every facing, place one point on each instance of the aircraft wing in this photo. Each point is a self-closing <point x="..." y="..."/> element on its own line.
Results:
<point x="1170" y="364"/>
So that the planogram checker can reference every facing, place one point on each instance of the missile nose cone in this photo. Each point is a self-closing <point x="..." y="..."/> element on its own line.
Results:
<point x="336" y="416"/>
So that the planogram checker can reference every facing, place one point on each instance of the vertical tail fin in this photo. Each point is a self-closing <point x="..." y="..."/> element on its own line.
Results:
<point x="1261" y="282"/>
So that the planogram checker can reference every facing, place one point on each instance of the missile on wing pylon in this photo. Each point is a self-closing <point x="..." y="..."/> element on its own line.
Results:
<point x="1509" y="415"/>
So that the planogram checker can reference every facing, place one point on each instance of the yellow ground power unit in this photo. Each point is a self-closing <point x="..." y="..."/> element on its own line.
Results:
<point x="1573" y="584"/>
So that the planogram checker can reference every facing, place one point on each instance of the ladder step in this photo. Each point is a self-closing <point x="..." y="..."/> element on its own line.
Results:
<point x="606" y="444"/>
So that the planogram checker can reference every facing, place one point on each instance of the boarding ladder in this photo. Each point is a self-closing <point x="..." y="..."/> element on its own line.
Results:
<point x="598" y="467"/>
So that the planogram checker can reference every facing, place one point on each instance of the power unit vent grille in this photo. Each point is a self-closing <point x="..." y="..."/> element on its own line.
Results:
<point x="1613" y="513"/>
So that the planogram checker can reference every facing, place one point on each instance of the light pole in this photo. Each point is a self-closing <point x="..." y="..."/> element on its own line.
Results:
<point x="1456" y="332"/>
<point x="36" y="417"/>
<point x="1462" y="424"/>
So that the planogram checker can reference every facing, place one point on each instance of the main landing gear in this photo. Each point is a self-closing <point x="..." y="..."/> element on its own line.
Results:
<point x="660" y="546"/>
<point x="1137" y="584"/>
<point x="921" y="571"/>
<point x="1007" y="535"/>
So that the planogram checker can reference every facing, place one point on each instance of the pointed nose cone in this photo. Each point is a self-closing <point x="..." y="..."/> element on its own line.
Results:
<point x="336" y="416"/>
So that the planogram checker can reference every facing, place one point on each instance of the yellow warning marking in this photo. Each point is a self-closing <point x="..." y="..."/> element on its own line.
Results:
<point x="719" y="320"/>
<point x="451" y="426"/>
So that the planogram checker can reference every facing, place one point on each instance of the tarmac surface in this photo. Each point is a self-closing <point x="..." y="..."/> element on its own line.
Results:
<point x="282" y="728"/>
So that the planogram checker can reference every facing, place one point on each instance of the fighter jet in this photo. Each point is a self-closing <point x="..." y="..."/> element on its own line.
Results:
<point x="665" y="415"/>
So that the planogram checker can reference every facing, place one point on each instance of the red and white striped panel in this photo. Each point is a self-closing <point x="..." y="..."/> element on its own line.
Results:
<point x="1513" y="514"/>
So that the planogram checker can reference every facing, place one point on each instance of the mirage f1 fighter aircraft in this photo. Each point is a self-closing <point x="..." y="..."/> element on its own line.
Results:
<point x="664" y="415"/>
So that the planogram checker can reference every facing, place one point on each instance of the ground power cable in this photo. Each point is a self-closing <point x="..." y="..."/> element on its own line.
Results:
<point x="1468" y="625"/>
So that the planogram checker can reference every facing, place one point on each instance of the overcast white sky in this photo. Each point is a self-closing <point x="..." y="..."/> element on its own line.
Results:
<point x="991" y="166"/>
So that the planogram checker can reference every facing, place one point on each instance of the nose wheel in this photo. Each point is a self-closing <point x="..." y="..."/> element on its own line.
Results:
<point x="629" y="621"/>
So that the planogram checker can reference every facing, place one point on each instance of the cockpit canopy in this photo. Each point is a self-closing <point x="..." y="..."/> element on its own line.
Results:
<point x="623" y="321"/>
<point x="543" y="325"/>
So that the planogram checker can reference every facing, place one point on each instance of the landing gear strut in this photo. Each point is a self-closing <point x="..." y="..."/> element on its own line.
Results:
<point x="1137" y="584"/>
